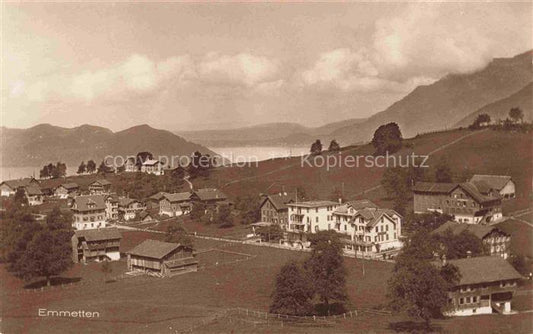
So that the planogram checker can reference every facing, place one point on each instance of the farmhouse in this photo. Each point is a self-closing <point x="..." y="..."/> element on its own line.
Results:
<point x="89" y="212"/>
<point x="210" y="197"/>
<point x="33" y="194"/>
<point x="8" y="188"/>
<point x="66" y="189"/>
<point x="496" y="241"/>
<point x="487" y="285"/>
<point x="176" y="204"/>
<point x="274" y="208"/>
<point x="152" y="167"/>
<point x="308" y="217"/>
<point x="145" y="216"/>
<point x="153" y="202"/>
<point x="130" y="165"/>
<point x="461" y="200"/>
<point x="503" y="184"/>
<point x="161" y="258"/>
<point x="129" y="207"/>
<point x="99" y="187"/>
<point x="371" y="230"/>
<point x="96" y="245"/>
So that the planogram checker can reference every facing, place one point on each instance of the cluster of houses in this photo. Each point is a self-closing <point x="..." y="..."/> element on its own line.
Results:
<point x="150" y="166"/>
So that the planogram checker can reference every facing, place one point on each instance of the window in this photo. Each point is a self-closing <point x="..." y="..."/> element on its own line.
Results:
<point x="345" y="227"/>
<point x="461" y="301"/>
<point x="316" y="219"/>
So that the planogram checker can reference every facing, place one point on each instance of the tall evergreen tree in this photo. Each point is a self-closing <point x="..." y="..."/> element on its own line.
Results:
<point x="293" y="291"/>
<point x="82" y="168"/>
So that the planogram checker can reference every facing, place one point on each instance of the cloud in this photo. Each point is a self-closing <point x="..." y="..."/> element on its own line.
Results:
<point x="421" y="44"/>
<point x="243" y="69"/>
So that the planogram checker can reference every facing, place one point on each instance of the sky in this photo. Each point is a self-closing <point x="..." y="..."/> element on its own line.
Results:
<point x="192" y="66"/>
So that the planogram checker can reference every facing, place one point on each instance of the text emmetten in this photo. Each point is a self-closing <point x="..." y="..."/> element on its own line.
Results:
<point x="68" y="314"/>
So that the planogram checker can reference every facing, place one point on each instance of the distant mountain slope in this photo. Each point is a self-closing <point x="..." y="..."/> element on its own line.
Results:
<point x="45" y="143"/>
<point x="500" y="109"/>
<point x="447" y="101"/>
<point x="270" y="134"/>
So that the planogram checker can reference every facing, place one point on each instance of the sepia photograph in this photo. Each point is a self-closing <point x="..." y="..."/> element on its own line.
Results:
<point x="266" y="167"/>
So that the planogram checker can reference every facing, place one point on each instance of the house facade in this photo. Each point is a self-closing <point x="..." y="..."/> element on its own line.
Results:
<point x="89" y="212"/>
<point x="210" y="197"/>
<point x="152" y="167"/>
<point x="100" y="187"/>
<point x="461" y="200"/>
<point x="128" y="208"/>
<point x="161" y="258"/>
<point x="111" y="207"/>
<point x="370" y="230"/>
<point x="487" y="285"/>
<point x="130" y="165"/>
<point x="96" y="245"/>
<point x="33" y="194"/>
<point x="176" y="204"/>
<point x="308" y="217"/>
<point x="503" y="184"/>
<point x="495" y="241"/>
<point x="274" y="208"/>
<point x="64" y="190"/>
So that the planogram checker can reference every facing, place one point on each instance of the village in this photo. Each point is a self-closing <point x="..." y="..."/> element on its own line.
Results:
<point x="102" y="220"/>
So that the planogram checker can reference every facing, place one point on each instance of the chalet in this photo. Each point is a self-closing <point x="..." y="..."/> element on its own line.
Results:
<point x="111" y="207"/>
<point x="370" y="230"/>
<point x="130" y="165"/>
<point x="66" y="189"/>
<point x="503" y="184"/>
<point x="96" y="245"/>
<point x="152" y="167"/>
<point x="161" y="258"/>
<point x="8" y="188"/>
<point x="210" y="197"/>
<point x="496" y="241"/>
<point x="176" y="204"/>
<point x="274" y="208"/>
<point x="128" y="208"/>
<point x="462" y="200"/>
<point x="308" y="217"/>
<point x="99" y="187"/>
<point x="89" y="212"/>
<point x="487" y="285"/>
<point x="153" y="202"/>
<point x="33" y="194"/>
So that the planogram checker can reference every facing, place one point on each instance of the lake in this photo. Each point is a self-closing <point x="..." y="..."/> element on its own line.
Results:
<point x="258" y="153"/>
<point x="233" y="154"/>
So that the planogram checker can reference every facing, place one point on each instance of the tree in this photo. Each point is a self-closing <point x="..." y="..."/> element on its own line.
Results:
<point x="106" y="269"/>
<point x="60" y="170"/>
<point x="326" y="268"/>
<point x="224" y="217"/>
<point x="316" y="147"/>
<point x="44" y="173"/>
<point x="460" y="245"/>
<point x="142" y="157"/>
<point x="387" y="138"/>
<point x="103" y="168"/>
<point x="516" y="114"/>
<point x="91" y="166"/>
<point x="200" y="165"/>
<point x="421" y="289"/>
<point x="48" y="254"/>
<point x="480" y="120"/>
<point x="249" y="209"/>
<point x="293" y="291"/>
<point x="428" y="221"/>
<point x="20" y="198"/>
<point x="59" y="220"/>
<point x="398" y="181"/>
<point x="443" y="172"/>
<point x="82" y="168"/>
<point x="179" y="235"/>
<point x="334" y="146"/>
<point x="519" y="262"/>
<point x="301" y="194"/>
<point x="270" y="233"/>
<point x="198" y="211"/>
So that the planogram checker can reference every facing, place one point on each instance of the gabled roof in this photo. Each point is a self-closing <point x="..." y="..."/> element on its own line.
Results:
<point x="494" y="181"/>
<point x="372" y="216"/>
<point x="362" y="204"/>
<point x="144" y="214"/>
<point x="33" y="190"/>
<point x="15" y="184"/>
<point x="280" y="200"/>
<point x="101" y="182"/>
<point x="208" y="194"/>
<point x="480" y="231"/>
<point x="313" y="204"/>
<point x="158" y="196"/>
<point x="446" y="188"/>
<point x="484" y="269"/>
<point x="70" y="186"/>
<point x="82" y="202"/>
<point x="151" y="162"/>
<point x="98" y="234"/>
<point x="178" y="197"/>
<point x="154" y="249"/>
<point x="126" y="201"/>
